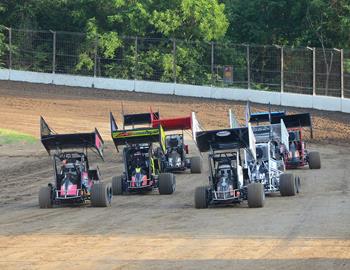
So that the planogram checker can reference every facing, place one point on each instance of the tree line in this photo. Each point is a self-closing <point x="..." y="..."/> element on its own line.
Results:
<point x="314" y="23"/>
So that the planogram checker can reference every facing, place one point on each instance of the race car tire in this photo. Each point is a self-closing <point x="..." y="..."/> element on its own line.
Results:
<point x="166" y="183"/>
<point x="287" y="184"/>
<point x="196" y="165"/>
<point x="174" y="181"/>
<point x="297" y="184"/>
<point x="256" y="195"/>
<point x="201" y="197"/>
<point x="101" y="195"/>
<point x="45" y="200"/>
<point x="117" y="185"/>
<point x="314" y="160"/>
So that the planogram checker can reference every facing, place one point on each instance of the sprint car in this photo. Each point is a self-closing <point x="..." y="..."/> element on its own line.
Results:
<point x="74" y="180"/>
<point x="272" y="148"/>
<point x="176" y="150"/>
<point x="229" y="182"/>
<point x="143" y="158"/>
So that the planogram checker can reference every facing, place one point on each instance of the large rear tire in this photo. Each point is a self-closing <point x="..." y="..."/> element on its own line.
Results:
<point x="201" y="197"/>
<point x="117" y="185"/>
<point x="314" y="160"/>
<point x="298" y="184"/>
<point x="101" y="195"/>
<point x="45" y="200"/>
<point x="196" y="165"/>
<point x="166" y="183"/>
<point x="287" y="184"/>
<point x="256" y="195"/>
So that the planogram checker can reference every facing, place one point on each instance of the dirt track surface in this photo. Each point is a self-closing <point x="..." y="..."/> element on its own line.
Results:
<point x="309" y="231"/>
<point x="80" y="109"/>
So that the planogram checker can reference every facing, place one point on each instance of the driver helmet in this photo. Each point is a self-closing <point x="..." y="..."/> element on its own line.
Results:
<point x="224" y="170"/>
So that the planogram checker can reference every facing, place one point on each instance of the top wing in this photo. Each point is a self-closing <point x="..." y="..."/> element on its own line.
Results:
<point x="225" y="139"/>
<point x="261" y="117"/>
<point x="177" y="123"/>
<point x="52" y="141"/>
<point x="139" y="118"/>
<point x="136" y="135"/>
<point x="295" y="120"/>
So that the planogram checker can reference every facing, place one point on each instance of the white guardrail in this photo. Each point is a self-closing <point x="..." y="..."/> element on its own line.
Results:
<point x="264" y="97"/>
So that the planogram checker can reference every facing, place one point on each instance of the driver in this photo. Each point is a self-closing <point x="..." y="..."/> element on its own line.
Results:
<point x="138" y="161"/>
<point x="225" y="181"/>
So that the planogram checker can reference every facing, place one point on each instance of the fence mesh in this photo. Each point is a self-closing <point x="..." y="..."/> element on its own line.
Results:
<point x="189" y="62"/>
<point x="328" y="67"/>
<point x="154" y="60"/>
<point x="4" y="48"/>
<point x="32" y="50"/>
<point x="265" y="67"/>
<point x="75" y="54"/>
<point x="234" y="56"/>
<point x="122" y="63"/>
<point x="298" y="70"/>
<point x="193" y="62"/>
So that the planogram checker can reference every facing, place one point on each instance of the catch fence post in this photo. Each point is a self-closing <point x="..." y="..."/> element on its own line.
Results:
<point x="174" y="60"/>
<point x="314" y="71"/>
<point x="95" y="57"/>
<point x="342" y="72"/>
<point x="248" y="66"/>
<point x="53" y="52"/>
<point x="136" y="58"/>
<point x="282" y="72"/>
<point x="10" y="47"/>
<point x="212" y="63"/>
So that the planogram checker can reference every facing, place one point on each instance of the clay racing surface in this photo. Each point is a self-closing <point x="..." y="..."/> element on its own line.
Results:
<point x="309" y="231"/>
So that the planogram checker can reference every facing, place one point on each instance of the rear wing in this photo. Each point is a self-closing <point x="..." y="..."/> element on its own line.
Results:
<point x="178" y="123"/>
<point x="295" y="120"/>
<point x="226" y="139"/>
<point x="139" y="118"/>
<point x="54" y="142"/>
<point x="262" y="117"/>
<point x="137" y="135"/>
<point x="277" y="132"/>
<point x="233" y="120"/>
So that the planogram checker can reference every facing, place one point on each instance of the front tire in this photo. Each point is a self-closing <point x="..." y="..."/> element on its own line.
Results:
<point x="45" y="200"/>
<point x="166" y="183"/>
<point x="314" y="160"/>
<point x="196" y="165"/>
<point x="101" y="195"/>
<point x="117" y="185"/>
<point x="201" y="197"/>
<point x="287" y="184"/>
<point x="256" y="195"/>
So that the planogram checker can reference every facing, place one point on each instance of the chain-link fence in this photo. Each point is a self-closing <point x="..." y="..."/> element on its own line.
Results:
<point x="298" y="70"/>
<point x="328" y="70"/>
<point x="228" y="57"/>
<point x="311" y="71"/>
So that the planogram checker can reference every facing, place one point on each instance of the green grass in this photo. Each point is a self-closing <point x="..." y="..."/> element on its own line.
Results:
<point x="11" y="137"/>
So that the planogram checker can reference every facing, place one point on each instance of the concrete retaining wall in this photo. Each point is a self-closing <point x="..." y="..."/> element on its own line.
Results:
<point x="264" y="97"/>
